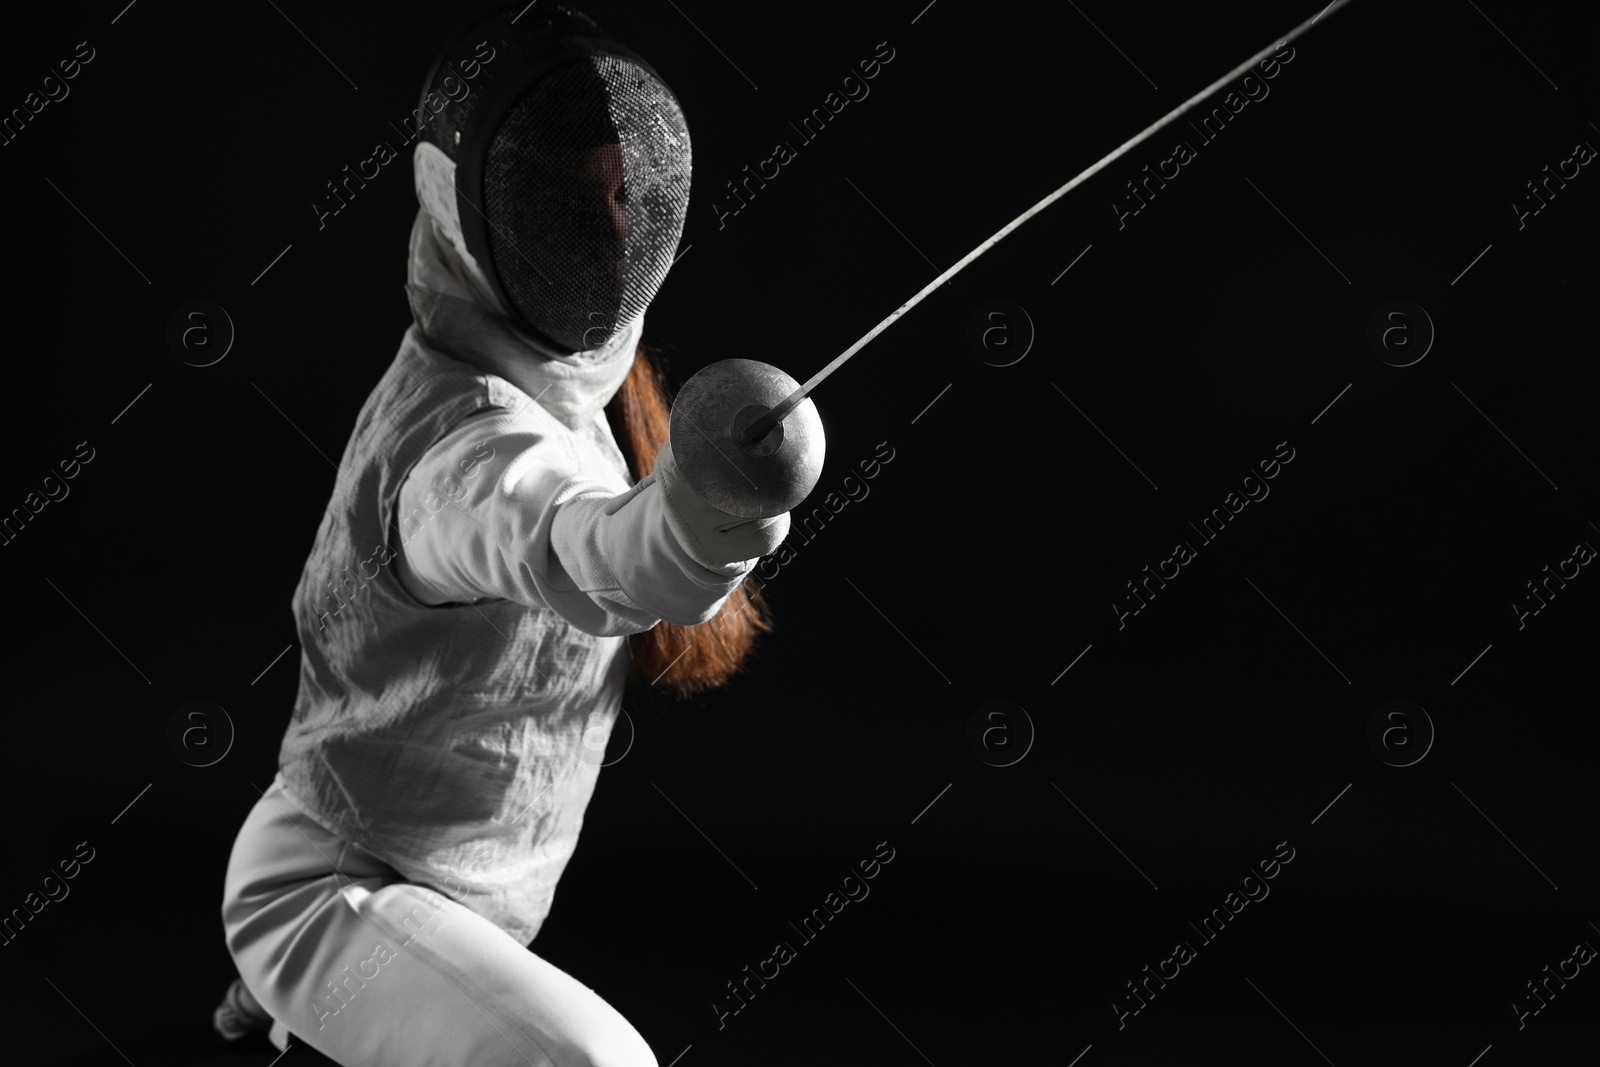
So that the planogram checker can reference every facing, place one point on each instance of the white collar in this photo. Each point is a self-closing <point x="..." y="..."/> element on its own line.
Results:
<point x="457" y="314"/>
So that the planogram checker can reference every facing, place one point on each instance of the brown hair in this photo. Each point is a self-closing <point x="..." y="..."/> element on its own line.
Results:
<point x="685" y="659"/>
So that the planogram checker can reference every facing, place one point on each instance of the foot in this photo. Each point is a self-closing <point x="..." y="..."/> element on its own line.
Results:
<point x="240" y="1014"/>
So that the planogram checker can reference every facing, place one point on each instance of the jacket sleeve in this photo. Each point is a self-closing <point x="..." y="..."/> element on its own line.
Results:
<point x="504" y="508"/>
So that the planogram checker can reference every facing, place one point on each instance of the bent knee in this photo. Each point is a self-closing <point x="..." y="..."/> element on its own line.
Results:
<point x="623" y="1047"/>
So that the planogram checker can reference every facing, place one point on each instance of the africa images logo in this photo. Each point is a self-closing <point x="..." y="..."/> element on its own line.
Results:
<point x="456" y="88"/>
<point x="783" y="952"/>
<point x="851" y="88"/>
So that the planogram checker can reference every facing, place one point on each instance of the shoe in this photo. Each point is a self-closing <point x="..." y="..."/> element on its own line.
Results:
<point x="239" y="1015"/>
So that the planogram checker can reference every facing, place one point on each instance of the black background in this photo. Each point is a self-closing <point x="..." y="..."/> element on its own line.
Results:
<point x="1219" y="721"/>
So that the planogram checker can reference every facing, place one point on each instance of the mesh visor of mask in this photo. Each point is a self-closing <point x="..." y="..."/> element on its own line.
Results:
<point x="573" y="168"/>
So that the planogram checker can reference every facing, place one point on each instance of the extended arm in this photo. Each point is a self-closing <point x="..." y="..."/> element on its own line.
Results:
<point x="500" y="508"/>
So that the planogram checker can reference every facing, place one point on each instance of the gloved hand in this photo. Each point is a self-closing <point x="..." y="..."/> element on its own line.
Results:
<point x="712" y="538"/>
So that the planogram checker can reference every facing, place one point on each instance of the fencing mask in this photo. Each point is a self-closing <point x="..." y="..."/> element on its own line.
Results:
<point x="558" y="162"/>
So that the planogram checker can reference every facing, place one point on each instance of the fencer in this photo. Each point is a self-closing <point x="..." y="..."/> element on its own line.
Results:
<point x="508" y="537"/>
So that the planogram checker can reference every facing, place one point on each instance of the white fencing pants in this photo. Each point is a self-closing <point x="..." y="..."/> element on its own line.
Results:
<point x="372" y="970"/>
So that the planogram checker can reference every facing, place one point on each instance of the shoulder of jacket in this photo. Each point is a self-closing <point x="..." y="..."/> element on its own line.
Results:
<point x="423" y="368"/>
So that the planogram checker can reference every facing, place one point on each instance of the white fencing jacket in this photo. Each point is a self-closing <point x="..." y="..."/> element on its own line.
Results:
<point x="463" y="610"/>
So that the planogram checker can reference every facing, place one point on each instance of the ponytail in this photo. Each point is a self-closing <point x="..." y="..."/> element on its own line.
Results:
<point x="686" y="659"/>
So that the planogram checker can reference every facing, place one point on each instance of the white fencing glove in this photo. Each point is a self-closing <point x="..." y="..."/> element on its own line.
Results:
<point x="712" y="538"/>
